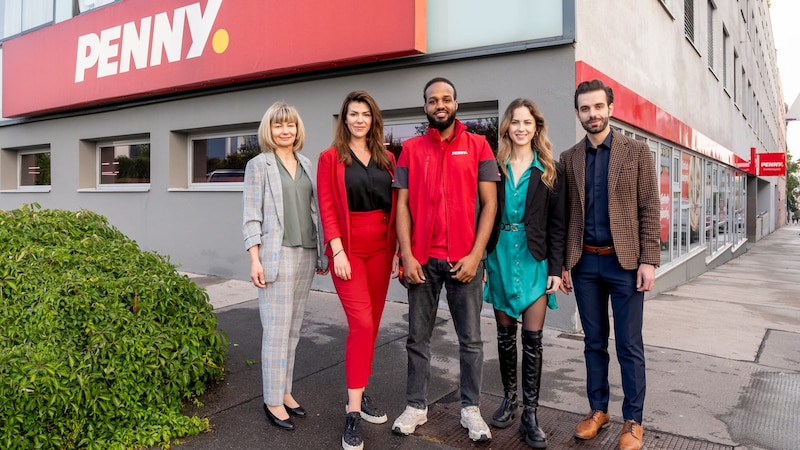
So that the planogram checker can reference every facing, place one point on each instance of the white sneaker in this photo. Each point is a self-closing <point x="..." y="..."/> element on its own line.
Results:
<point x="410" y="420"/>
<point x="471" y="420"/>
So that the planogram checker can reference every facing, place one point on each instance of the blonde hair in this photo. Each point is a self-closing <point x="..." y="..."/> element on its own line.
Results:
<point x="540" y="143"/>
<point x="280" y="112"/>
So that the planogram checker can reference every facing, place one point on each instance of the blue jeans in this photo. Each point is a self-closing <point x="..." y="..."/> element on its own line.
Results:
<point x="595" y="278"/>
<point x="464" y="300"/>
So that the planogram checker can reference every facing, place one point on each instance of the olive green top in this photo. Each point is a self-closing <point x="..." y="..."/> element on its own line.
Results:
<point x="298" y="193"/>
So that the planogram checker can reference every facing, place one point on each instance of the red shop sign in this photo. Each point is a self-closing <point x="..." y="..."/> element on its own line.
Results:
<point x="772" y="164"/>
<point x="140" y="48"/>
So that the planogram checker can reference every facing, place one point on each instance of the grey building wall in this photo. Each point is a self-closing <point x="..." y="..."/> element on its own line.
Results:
<point x="649" y="53"/>
<point x="201" y="230"/>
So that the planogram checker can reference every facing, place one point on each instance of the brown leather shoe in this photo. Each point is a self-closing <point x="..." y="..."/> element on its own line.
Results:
<point x="592" y="423"/>
<point x="631" y="437"/>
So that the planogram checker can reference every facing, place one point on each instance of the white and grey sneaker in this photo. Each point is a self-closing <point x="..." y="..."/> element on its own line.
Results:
<point x="410" y="420"/>
<point x="471" y="420"/>
<point x="370" y="412"/>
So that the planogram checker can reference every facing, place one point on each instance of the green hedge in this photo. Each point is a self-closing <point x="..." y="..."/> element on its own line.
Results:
<point x="101" y="342"/>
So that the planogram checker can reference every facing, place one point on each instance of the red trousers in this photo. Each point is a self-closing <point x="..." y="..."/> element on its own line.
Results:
<point x="363" y="296"/>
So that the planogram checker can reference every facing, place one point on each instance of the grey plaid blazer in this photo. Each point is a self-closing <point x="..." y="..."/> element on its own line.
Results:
<point x="262" y="202"/>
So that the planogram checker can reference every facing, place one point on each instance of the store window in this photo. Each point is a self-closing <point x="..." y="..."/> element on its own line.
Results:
<point x="701" y="202"/>
<point x="680" y="220"/>
<point x="709" y="218"/>
<point x="739" y="212"/>
<point x="34" y="170"/>
<point x="25" y="169"/>
<point x="724" y="207"/>
<point x="716" y="240"/>
<point x="665" y="201"/>
<point x="400" y="125"/>
<point x="692" y="195"/>
<point x="123" y="164"/>
<point x="23" y="15"/>
<point x="220" y="159"/>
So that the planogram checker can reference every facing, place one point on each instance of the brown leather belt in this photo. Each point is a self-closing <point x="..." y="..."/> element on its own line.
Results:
<point x="602" y="251"/>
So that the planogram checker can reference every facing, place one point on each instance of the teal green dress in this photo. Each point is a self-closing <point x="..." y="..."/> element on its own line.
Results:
<point x="514" y="278"/>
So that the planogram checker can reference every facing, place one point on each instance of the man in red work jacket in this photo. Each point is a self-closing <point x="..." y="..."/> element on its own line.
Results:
<point x="446" y="204"/>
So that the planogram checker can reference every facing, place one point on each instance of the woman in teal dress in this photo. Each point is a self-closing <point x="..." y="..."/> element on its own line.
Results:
<point x="526" y="252"/>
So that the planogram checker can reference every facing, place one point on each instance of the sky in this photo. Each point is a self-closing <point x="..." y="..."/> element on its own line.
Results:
<point x="785" y="17"/>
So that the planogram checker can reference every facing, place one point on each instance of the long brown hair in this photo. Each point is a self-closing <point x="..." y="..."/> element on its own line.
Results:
<point x="375" y="143"/>
<point x="540" y="143"/>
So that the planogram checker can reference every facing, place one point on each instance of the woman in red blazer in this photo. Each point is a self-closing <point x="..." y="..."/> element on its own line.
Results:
<point x="357" y="206"/>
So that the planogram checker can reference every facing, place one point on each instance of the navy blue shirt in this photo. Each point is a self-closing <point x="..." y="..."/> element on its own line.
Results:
<point x="598" y="225"/>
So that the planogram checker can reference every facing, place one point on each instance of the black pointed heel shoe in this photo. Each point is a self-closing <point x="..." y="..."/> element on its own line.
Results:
<point x="299" y="411"/>
<point x="280" y="423"/>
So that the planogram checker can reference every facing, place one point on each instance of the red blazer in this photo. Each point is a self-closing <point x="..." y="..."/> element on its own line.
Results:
<point x="333" y="207"/>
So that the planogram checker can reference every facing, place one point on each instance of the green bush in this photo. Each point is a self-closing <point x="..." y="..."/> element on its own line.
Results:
<point x="101" y="342"/>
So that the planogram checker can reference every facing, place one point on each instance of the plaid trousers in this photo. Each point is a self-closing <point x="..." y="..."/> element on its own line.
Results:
<point x="281" y="305"/>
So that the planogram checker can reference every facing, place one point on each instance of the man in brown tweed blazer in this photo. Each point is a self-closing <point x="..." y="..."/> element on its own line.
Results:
<point x="612" y="250"/>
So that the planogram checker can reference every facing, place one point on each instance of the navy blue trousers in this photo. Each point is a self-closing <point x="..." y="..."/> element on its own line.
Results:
<point x="595" y="279"/>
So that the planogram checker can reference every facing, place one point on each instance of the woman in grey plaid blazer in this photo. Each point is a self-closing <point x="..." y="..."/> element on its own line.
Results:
<point x="282" y="236"/>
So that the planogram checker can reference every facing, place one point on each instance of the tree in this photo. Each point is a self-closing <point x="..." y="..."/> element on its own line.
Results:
<point x="135" y="169"/>
<point x="485" y="127"/>
<point x="792" y="183"/>
<point x="43" y="162"/>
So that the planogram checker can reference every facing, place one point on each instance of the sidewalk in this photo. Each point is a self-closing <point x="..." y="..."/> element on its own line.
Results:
<point x="723" y="368"/>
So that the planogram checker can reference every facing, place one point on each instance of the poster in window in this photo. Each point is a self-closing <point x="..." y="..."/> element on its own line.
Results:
<point x="665" y="188"/>
<point x="695" y="192"/>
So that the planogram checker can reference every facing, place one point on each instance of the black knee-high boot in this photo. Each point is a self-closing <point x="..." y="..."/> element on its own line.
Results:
<point x="531" y="380"/>
<point x="507" y="354"/>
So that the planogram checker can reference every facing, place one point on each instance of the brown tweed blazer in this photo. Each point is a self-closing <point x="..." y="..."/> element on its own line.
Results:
<point x="633" y="203"/>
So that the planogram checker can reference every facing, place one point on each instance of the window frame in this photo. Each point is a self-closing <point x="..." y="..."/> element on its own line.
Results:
<point x="688" y="20"/>
<point x="726" y="42"/>
<point x="120" y="187"/>
<point x="712" y="11"/>
<point x="22" y="29"/>
<point x="201" y="135"/>
<point x="81" y="6"/>
<point x="33" y="188"/>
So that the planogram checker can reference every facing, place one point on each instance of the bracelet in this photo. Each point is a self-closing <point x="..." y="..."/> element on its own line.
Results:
<point x="340" y="251"/>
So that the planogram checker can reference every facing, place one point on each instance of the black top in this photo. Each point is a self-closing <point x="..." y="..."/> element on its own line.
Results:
<point x="369" y="188"/>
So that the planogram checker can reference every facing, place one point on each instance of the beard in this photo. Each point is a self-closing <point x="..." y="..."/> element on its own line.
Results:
<point x="596" y="127"/>
<point x="441" y="124"/>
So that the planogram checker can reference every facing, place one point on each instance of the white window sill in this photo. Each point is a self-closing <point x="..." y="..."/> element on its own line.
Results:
<point x="26" y="190"/>
<point x="211" y="187"/>
<point x="120" y="188"/>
